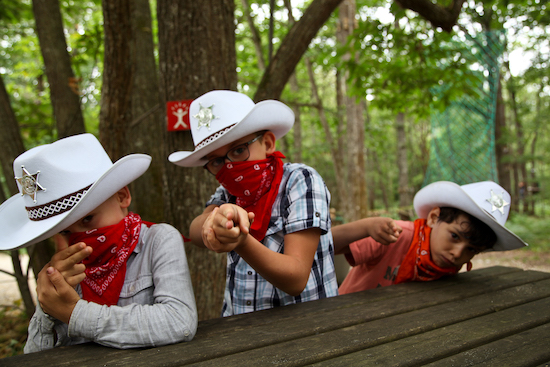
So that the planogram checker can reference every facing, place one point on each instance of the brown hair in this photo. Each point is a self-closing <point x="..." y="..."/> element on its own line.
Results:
<point x="479" y="234"/>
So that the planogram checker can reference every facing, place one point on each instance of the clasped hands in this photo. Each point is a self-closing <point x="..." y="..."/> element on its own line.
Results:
<point x="226" y="228"/>
<point x="56" y="281"/>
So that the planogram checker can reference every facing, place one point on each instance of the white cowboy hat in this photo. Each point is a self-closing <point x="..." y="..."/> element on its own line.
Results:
<point x="221" y="117"/>
<point x="487" y="201"/>
<point x="60" y="183"/>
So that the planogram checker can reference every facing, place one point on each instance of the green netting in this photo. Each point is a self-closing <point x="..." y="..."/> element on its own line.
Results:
<point x="462" y="148"/>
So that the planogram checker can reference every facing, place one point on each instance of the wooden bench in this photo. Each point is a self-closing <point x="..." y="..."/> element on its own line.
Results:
<point x="498" y="316"/>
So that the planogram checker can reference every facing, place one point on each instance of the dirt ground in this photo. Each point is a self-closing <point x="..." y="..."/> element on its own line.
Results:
<point x="527" y="260"/>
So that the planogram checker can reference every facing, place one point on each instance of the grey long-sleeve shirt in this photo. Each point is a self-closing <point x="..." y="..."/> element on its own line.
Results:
<point x="156" y="305"/>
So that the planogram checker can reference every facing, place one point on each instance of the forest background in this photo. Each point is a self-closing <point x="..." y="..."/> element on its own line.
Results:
<point x="359" y="75"/>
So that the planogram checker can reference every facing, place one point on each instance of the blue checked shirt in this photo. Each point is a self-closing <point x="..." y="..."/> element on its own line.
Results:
<point x="303" y="202"/>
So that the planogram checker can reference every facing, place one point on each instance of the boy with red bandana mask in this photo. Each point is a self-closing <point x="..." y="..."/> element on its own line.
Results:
<point x="271" y="218"/>
<point x="132" y="281"/>
<point x="455" y="223"/>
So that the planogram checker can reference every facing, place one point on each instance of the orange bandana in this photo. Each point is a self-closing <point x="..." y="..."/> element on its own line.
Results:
<point x="417" y="264"/>
<point x="255" y="184"/>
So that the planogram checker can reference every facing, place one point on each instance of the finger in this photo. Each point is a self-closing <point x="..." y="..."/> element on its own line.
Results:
<point x="75" y="270"/>
<point x="212" y="242"/>
<point x="68" y="251"/>
<point x="228" y="217"/>
<point x="78" y="252"/>
<point x="76" y="279"/>
<point x="57" y="280"/>
<point x="61" y="242"/>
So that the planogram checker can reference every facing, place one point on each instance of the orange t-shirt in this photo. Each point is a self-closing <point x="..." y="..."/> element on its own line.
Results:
<point x="374" y="264"/>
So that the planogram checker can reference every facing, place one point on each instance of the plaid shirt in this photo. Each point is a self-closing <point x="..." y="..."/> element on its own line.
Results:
<point x="303" y="202"/>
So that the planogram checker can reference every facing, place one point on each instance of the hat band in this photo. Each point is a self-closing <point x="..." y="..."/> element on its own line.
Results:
<point x="212" y="137"/>
<point x="53" y="208"/>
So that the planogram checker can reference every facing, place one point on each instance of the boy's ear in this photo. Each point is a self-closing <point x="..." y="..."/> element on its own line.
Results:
<point x="124" y="197"/>
<point x="269" y="140"/>
<point x="433" y="216"/>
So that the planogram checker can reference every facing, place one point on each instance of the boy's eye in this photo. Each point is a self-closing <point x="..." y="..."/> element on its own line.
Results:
<point x="237" y="151"/>
<point x="216" y="162"/>
<point x="65" y="233"/>
<point x="87" y="219"/>
<point x="454" y="236"/>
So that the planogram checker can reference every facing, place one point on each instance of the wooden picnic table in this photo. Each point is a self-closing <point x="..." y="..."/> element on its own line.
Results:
<point x="498" y="316"/>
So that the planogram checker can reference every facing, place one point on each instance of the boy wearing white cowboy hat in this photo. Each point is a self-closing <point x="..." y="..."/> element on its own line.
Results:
<point x="455" y="223"/>
<point x="132" y="275"/>
<point x="272" y="219"/>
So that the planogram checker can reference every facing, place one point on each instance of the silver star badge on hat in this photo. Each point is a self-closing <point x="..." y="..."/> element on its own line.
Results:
<point x="497" y="202"/>
<point x="205" y="116"/>
<point x="29" y="184"/>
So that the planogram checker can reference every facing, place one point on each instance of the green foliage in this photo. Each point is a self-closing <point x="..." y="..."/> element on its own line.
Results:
<point x="13" y="331"/>
<point x="407" y="58"/>
<point x="23" y="71"/>
<point x="532" y="230"/>
<point x="23" y="75"/>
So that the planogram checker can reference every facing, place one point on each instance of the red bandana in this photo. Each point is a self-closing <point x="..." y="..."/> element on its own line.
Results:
<point x="417" y="264"/>
<point x="106" y="266"/>
<point x="255" y="184"/>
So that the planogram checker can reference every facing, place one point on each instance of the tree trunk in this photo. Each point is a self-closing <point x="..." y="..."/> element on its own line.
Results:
<point x="130" y="118"/>
<point x="532" y="176"/>
<point x="64" y="92"/>
<point x="405" y="199"/>
<point x="23" y="283"/>
<point x="11" y="145"/>
<point x="519" y="161"/>
<point x="341" y="183"/>
<point x="196" y="54"/>
<point x="501" y="146"/>
<point x="293" y="46"/>
<point x="294" y="88"/>
<point x="357" y="197"/>
<point x="256" y="38"/>
<point x="116" y="93"/>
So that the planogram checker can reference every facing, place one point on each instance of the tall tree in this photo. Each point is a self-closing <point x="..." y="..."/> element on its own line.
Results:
<point x="12" y="146"/>
<point x="64" y="90"/>
<point x="196" y="54"/>
<point x="130" y="118"/>
<point x="356" y="197"/>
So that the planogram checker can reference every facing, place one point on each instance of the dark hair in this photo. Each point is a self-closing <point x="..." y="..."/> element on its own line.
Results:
<point x="479" y="234"/>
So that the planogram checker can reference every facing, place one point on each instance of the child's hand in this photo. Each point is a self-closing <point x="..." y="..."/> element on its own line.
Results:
<point x="57" y="298"/>
<point x="384" y="230"/>
<point x="226" y="228"/>
<point x="67" y="259"/>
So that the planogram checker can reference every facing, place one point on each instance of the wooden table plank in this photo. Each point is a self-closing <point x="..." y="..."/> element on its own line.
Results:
<point x="388" y="330"/>
<point x="358" y="311"/>
<point x="427" y="347"/>
<point x="528" y="348"/>
<point x="228" y="336"/>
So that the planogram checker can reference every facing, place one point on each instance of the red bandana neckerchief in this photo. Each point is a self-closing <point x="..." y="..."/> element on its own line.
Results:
<point x="417" y="264"/>
<point x="106" y="266"/>
<point x="255" y="184"/>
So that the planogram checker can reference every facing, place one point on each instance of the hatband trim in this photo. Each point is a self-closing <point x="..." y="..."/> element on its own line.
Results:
<point x="212" y="137"/>
<point x="53" y="208"/>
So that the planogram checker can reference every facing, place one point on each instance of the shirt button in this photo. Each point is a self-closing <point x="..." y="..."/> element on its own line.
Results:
<point x="317" y="214"/>
<point x="132" y="288"/>
<point x="249" y="272"/>
<point x="248" y="303"/>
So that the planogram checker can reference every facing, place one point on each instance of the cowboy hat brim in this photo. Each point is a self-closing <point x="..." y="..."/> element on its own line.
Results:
<point x="19" y="231"/>
<point x="269" y="115"/>
<point x="449" y="194"/>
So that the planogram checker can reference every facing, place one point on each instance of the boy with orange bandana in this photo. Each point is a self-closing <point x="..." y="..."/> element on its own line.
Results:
<point x="455" y="223"/>
<point x="116" y="280"/>
<point x="271" y="218"/>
